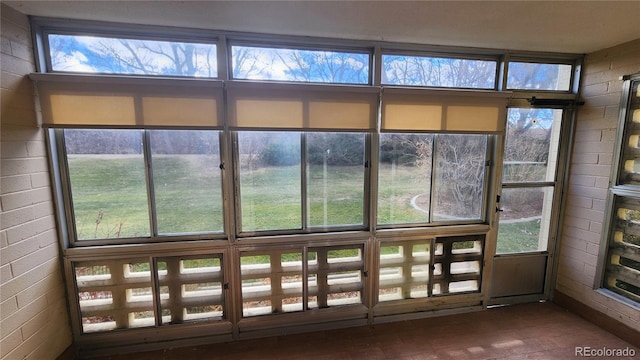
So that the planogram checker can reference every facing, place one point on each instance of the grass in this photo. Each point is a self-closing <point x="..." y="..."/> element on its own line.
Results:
<point x="110" y="198"/>
<point x="518" y="237"/>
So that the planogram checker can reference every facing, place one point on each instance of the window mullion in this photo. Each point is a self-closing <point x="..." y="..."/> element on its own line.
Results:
<point x="146" y="148"/>
<point x="303" y="181"/>
<point x="432" y="185"/>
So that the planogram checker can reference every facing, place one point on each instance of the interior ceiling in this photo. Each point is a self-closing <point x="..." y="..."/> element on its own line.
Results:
<point x="550" y="26"/>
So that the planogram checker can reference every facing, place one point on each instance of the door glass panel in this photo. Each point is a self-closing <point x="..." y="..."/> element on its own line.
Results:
<point x="524" y="222"/>
<point x="531" y="149"/>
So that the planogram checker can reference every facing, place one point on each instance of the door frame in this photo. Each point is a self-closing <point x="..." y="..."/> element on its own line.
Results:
<point x="565" y="144"/>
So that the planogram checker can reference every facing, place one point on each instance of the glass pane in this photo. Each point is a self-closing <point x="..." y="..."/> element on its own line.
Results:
<point x="270" y="180"/>
<point x="187" y="181"/>
<point x="533" y="139"/>
<point x="524" y="222"/>
<point x="441" y="72"/>
<point x="335" y="178"/>
<point x="630" y="162"/>
<point x="404" y="178"/>
<point x="460" y="176"/>
<point x="95" y="54"/>
<point x="261" y="63"/>
<point x="108" y="183"/>
<point x="536" y="76"/>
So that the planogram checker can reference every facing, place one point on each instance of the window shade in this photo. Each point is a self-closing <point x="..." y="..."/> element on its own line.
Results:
<point x="95" y="101"/>
<point x="443" y="111"/>
<point x="296" y="106"/>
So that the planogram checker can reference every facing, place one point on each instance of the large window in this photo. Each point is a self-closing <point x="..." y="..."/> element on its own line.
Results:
<point x="427" y="178"/>
<point x="273" y="195"/>
<point x="112" y="192"/>
<point x="622" y="263"/>
<point x="338" y="182"/>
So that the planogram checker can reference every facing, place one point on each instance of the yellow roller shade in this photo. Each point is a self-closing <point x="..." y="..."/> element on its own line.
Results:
<point x="301" y="106"/>
<point x="86" y="101"/>
<point x="91" y="109"/>
<point x="443" y="111"/>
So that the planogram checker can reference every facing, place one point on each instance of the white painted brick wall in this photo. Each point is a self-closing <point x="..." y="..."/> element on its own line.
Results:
<point x="582" y="226"/>
<point x="33" y="314"/>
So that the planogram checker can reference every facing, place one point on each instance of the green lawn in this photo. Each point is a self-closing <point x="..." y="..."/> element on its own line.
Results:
<point x="110" y="198"/>
<point x="518" y="236"/>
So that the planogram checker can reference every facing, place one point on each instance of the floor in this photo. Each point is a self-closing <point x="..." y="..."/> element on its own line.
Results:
<point x="527" y="331"/>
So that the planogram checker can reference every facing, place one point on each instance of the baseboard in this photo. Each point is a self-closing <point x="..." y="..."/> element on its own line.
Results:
<point x="613" y="326"/>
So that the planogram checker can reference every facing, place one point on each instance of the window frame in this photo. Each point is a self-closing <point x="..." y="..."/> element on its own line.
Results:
<point x="491" y="142"/>
<point x="304" y="228"/>
<point x="617" y="191"/>
<point x="552" y="60"/>
<point x="64" y="190"/>
<point x="443" y="55"/>
<point x="230" y="243"/>
<point x="42" y="28"/>
<point x="308" y="45"/>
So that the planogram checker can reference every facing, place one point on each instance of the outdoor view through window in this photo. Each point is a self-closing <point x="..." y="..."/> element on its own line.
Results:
<point x="290" y="180"/>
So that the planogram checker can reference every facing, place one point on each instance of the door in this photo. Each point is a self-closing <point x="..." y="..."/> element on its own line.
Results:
<point x="528" y="205"/>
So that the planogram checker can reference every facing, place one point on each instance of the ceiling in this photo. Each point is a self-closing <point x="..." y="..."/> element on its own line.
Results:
<point x="551" y="26"/>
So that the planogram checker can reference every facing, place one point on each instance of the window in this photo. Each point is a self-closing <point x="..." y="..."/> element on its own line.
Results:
<point x="273" y="195"/>
<point x="622" y="264"/>
<point x="283" y="64"/>
<point x="438" y="72"/>
<point x="111" y="55"/>
<point x="111" y="190"/>
<point x="427" y="178"/>
<point x="539" y="76"/>
<point x="216" y="152"/>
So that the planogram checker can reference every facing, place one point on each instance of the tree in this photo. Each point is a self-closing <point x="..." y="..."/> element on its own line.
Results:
<point x="132" y="56"/>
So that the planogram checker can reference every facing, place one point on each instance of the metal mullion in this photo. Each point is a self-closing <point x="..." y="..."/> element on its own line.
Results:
<point x="489" y="163"/>
<point x="305" y="278"/>
<point x="155" y="288"/>
<point x="146" y="146"/>
<point x="303" y="179"/>
<point x="528" y="185"/>
<point x="235" y="185"/>
<point x="432" y="265"/>
<point x="369" y="193"/>
<point x="222" y="53"/>
<point x="432" y="185"/>
<point x="376" y="76"/>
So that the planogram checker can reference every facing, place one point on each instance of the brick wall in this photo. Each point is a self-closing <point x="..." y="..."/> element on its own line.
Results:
<point x="34" y="321"/>
<point x="593" y="148"/>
